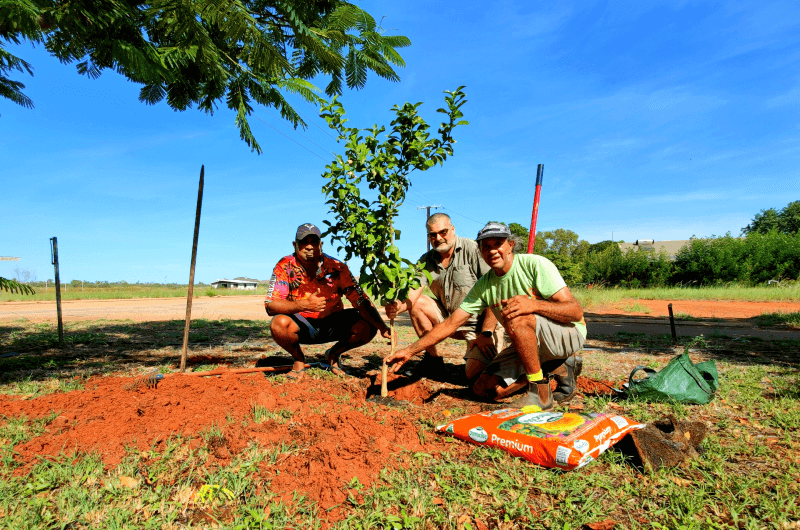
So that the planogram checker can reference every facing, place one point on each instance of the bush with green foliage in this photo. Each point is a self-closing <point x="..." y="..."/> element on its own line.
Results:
<point x="629" y="269"/>
<point x="711" y="261"/>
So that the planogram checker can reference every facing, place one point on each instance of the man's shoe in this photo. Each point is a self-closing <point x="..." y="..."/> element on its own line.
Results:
<point x="537" y="395"/>
<point x="429" y="366"/>
<point x="567" y="380"/>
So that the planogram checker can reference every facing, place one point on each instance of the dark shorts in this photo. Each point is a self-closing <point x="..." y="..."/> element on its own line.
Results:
<point x="331" y="328"/>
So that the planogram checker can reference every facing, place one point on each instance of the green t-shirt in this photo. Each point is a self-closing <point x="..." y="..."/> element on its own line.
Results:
<point x="531" y="275"/>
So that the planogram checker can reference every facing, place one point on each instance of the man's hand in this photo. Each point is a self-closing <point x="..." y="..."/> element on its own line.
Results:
<point x="315" y="303"/>
<point x="398" y="359"/>
<point x="517" y="307"/>
<point x="393" y="309"/>
<point x="486" y="346"/>
<point x="386" y="333"/>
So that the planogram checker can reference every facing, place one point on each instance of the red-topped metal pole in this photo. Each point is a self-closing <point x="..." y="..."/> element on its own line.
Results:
<point x="532" y="234"/>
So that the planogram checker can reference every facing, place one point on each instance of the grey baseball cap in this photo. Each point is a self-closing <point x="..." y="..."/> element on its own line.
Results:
<point x="307" y="229"/>
<point x="493" y="230"/>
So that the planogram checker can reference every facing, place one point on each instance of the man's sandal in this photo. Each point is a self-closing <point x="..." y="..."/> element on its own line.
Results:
<point x="335" y="370"/>
<point x="328" y="365"/>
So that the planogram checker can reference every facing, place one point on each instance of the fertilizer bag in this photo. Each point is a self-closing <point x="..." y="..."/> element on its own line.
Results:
<point x="562" y="440"/>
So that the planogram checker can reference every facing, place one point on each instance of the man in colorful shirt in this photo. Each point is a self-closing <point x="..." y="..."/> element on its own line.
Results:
<point x="305" y="300"/>
<point x="454" y="265"/>
<point x="544" y="321"/>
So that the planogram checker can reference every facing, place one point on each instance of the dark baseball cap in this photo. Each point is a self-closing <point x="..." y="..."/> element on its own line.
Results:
<point x="307" y="230"/>
<point x="493" y="230"/>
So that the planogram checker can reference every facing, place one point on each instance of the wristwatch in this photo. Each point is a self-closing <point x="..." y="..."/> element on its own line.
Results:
<point x="487" y="333"/>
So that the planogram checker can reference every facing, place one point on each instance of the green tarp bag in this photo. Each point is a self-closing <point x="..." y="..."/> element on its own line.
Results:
<point x="679" y="381"/>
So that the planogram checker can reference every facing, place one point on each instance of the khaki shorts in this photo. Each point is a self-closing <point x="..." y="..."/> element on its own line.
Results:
<point x="468" y="334"/>
<point x="555" y="340"/>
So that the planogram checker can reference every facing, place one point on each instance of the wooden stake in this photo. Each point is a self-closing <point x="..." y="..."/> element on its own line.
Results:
<point x="191" y="272"/>
<point x="385" y="367"/>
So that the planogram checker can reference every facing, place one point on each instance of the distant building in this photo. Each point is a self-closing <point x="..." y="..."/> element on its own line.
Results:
<point x="238" y="283"/>
<point x="671" y="248"/>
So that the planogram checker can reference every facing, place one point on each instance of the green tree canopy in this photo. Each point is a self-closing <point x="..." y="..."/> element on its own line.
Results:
<point x="204" y="52"/>
<point x="13" y="286"/>
<point x="786" y="221"/>
<point x="377" y="166"/>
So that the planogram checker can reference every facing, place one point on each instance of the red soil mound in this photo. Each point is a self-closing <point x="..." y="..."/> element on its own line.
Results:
<point x="326" y="434"/>
<point x="329" y="443"/>
<point x="401" y="388"/>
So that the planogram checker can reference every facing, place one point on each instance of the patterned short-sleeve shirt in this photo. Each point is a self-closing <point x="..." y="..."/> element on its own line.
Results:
<point x="333" y="280"/>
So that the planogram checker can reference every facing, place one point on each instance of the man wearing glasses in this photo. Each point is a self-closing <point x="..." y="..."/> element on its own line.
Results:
<point x="455" y="265"/>
<point x="543" y="319"/>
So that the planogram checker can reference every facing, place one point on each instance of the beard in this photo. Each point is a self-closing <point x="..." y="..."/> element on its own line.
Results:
<point x="444" y="247"/>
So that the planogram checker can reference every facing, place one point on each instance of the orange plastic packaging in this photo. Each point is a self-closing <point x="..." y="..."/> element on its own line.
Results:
<point x="563" y="440"/>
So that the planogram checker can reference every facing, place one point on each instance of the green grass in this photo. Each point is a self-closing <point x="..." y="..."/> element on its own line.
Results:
<point x="746" y="477"/>
<point x="633" y="307"/>
<point x="596" y="297"/>
<point x="739" y="482"/>
<point x="780" y="318"/>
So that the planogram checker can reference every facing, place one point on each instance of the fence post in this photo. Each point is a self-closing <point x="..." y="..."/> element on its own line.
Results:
<point x="54" y="259"/>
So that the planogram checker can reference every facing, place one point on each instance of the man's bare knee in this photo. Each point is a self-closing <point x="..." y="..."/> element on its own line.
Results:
<point x="363" y="332"/>
<point x="282" y="326"/>
<point x="487" y="385"/>
<point x="520" y="324"/>
<point x="473" y="369"/>
<point x="424" y="310"/>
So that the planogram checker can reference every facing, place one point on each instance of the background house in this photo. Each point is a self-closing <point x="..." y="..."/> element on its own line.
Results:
<point x="649" y="245"/>
<point x="238" y="283"/>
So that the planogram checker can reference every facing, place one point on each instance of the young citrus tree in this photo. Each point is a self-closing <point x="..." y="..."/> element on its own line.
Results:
<point x="368" y="184"/>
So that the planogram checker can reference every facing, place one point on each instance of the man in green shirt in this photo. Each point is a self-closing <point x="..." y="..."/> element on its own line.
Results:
<point x="544" y="321"/>
<point x="454" y="264"/>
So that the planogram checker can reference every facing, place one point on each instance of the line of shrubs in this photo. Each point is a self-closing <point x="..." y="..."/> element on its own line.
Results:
<point x="755" y="259"/>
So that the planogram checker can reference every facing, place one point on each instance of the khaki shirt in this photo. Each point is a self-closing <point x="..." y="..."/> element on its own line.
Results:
<point x="452" y="283"/>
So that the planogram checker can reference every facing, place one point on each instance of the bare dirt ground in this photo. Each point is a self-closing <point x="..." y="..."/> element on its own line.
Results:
<point x="725" y="309"/>
<point x="252" y="308"/>
<point x="138" y="309"/>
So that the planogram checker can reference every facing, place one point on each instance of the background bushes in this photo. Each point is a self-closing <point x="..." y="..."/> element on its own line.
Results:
<point x="753" y="260"/>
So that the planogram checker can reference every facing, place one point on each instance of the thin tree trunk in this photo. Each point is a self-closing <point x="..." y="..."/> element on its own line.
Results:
<point x="385" y="367"/>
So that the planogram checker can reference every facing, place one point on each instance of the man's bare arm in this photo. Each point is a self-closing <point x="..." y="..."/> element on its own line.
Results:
<point x="489" y="321"/>
<point x="561" y="307"/>
<point x="371" y="315"/>
<point x="395" y="308"/>
<point x="439" y="332"/>
<point x="290" y="307"/>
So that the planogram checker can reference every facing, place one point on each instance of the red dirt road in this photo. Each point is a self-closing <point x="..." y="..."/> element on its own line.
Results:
<point x="701" y="308"/>
<point x="252" y="308"/>
<point x="138" y="309"/>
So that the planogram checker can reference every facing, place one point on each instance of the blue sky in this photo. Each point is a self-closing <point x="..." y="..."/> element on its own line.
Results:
<point x="656" y="120"/>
